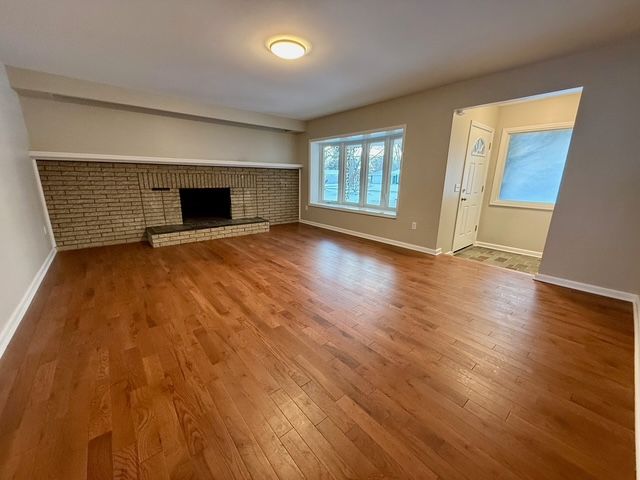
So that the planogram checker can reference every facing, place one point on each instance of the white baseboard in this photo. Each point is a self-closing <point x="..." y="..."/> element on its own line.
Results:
<point x="586" y="287"/>
<point x="16" y="317"/>
<point x="506" y="248"/>
<point x="636" y="377"/>
<point x="375" y="238"/>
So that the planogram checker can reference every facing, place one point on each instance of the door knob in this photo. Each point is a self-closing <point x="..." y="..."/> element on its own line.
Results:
<point x="463" y="199"/>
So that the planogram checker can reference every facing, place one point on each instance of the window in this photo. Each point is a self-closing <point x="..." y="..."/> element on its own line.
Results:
<point x="352" y="172"/>
<point x="530" y="165"/>
<point x="394" y="178"/>
<point x="359" y="172"/>
<point x="330" y="172"/>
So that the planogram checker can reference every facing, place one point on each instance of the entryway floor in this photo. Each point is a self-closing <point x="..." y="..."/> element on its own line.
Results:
<point x="498" y="258"/>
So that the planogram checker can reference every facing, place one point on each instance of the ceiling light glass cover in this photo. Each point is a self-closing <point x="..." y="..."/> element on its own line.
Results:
<point x="288" y="47"/>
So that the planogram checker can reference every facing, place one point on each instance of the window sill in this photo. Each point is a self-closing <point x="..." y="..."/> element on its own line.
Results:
<point x="530" y="206"/>
<point x="361" y="210"/>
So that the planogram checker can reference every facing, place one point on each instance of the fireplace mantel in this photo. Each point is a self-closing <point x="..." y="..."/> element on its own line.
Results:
<point x="100" y="157"/>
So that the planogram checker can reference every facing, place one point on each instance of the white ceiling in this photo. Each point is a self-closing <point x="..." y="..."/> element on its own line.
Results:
<point x="363" y="50"/>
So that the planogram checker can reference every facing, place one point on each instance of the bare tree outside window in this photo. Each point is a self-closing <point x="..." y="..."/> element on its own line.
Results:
<point x="353" y="154"/>
<point x="360" y="171"/>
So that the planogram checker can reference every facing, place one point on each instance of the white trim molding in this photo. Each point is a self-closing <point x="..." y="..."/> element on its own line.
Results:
<point x="100" y="157"/>
<point x="350" y="209"/>
<point x="636" y="377"/>
<point x="43" y="202"/>
<point x="506" y="248"/>
<point x="18" y="313"/>
<point x="375" y="238"/>
<point x="362" y="133"/>
<point x="586" y="287"/>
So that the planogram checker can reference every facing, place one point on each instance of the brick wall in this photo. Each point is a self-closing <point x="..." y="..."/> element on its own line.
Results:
<point x="92" y="204"/>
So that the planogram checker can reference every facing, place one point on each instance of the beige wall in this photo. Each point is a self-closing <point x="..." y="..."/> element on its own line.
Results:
<point x="65" y="126"/>
<point x="597" y="206"/>
<point x="23" y="244"/>
<point x="523" y="228"/>
<point x="34" y="82"/>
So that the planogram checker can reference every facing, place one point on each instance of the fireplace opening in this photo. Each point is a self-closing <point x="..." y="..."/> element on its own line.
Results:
<point x="203" y="204"/>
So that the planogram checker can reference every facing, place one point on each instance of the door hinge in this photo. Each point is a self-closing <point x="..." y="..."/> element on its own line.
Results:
<point x="482" y="190"/>
<point x="476" y="228"/>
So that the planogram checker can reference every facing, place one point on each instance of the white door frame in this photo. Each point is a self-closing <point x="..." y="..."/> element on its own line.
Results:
<point x="482" y="126"/>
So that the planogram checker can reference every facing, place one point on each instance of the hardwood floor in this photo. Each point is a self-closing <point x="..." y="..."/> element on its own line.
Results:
<point x="302" y="353"/>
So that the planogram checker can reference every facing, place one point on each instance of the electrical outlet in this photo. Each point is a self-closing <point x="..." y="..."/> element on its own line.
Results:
<point x="45" y="230"/>
<point x="414" y="225"/>
<point x="456" y="187"/>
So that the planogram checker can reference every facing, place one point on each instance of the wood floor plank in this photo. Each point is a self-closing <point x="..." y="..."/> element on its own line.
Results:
<point x="252" y="455"/>
<point x="302" y="353"/>
<point x="325" y="452"/>
<point x="100" y="461"/>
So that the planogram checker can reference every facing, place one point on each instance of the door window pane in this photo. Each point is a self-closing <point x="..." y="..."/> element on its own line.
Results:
<point x="394" y="175"/>
<point x="330" y="172"/>
<point x="353" y="166"/>
<point x="375" y="172"/>
<point x="534" y="165"/>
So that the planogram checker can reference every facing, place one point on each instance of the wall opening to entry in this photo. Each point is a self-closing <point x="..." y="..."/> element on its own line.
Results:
<point x="504" y="174"/>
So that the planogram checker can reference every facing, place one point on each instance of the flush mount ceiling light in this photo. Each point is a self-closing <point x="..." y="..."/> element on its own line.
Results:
<point x="288" y="47"/>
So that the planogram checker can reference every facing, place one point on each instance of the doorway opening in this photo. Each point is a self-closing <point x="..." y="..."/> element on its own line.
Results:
<point x="506" y="162"/>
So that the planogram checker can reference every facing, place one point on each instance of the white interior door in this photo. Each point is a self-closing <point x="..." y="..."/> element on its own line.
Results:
<point x="473" y="183"/>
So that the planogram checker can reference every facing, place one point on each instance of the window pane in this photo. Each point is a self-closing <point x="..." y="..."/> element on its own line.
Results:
<point x="353" y="157"/>
<point x="394" y="176"/>
<point x="534" y="165"/>
<point x="330" y="172"/>
<point x="376" y="169"/>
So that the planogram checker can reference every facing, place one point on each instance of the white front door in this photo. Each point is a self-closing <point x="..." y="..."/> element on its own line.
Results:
<point x="472" y="187"/>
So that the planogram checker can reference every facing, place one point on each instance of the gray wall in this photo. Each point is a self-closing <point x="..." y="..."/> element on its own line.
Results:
<point x="595" y="230"/>
<point x="23" y="244"/>
<point x="64" y="126"/>
<point x="597" y="206"/>
<point x="523" y="228"/>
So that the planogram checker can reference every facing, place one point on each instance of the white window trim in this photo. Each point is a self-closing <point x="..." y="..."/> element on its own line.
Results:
<point x="362" y="207"/>
<point x="505" y="138"/>
<point x="356" y="209"/>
